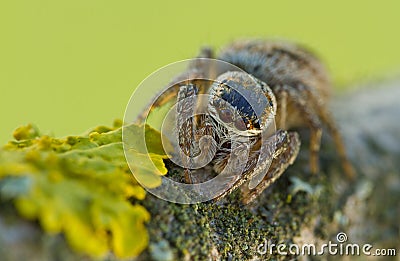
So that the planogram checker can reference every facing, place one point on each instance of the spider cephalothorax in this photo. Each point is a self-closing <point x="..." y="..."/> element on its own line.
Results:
<point x="242" y="103"/>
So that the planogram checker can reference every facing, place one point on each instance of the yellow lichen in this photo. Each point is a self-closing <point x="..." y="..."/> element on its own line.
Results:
<point x="80" y="186"/>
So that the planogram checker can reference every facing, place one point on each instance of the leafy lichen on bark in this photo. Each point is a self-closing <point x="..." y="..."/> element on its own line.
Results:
<point x="78" y="186"/>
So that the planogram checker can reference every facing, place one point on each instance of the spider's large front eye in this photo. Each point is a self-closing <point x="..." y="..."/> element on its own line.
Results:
<point x="225" y="115"/>
<point x="240" y="125"/>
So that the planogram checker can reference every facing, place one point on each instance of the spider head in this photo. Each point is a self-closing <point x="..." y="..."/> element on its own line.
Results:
<point x="242" y="103"/>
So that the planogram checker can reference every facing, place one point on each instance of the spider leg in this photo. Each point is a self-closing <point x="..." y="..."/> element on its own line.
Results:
<point x="197" y="69"/>
<point x="287" y="148"/>
<point x="281" y="151"/>
<point x="206" y="52"/>
<point x="185" y="126"/>
<point x="327" y="119"/>
<point x="233" y="178"/>
<point x="165" y="95"/>
<point x="337" y="138"/>
<point x="282" y="107"/>
<point x="308" y="114"/>
<point x="194" y="130"/>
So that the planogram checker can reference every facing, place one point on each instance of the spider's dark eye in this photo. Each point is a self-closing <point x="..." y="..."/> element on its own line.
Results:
<point x="225" y="115"/>
<point x="240" y="125"/>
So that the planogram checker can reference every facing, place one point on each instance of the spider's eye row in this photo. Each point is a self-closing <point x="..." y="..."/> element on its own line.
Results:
<point x="225" y="115"/>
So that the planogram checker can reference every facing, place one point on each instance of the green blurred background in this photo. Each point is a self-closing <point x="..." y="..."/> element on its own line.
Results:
<point x="69" y="65"/>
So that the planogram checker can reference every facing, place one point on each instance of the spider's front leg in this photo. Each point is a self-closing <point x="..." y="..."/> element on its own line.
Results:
<point x="302" y="106"/>
<point x="197" y="69"/>
<point x="286" y="147"/>
<point x="196" y="138"/>
<point x="280" y="151"/>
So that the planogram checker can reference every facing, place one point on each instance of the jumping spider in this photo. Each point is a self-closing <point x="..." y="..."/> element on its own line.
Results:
<point x="294" y="86"/>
